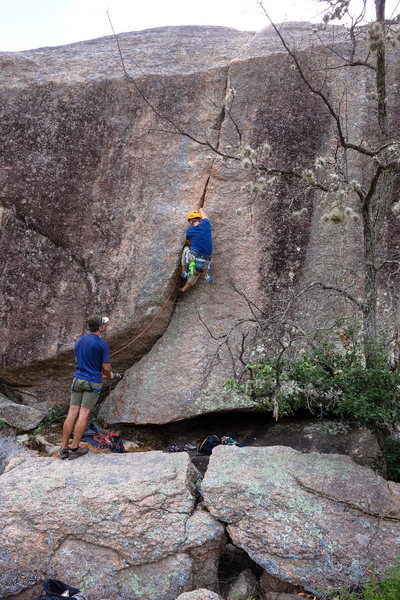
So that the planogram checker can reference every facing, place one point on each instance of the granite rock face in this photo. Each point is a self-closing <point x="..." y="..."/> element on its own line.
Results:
<point x="127" y="525"/>
<point x="244" y="586"/>
<point x="19" y="415"/>
<point x="95" y="189"/>
<point x="312" y="520"/>
<point x="113" y="526"/>
<point x="200" y="594"/>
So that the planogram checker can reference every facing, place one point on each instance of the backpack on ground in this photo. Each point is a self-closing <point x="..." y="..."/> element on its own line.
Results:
<point x="53" y="589"/>
<point x="207" y="445"/>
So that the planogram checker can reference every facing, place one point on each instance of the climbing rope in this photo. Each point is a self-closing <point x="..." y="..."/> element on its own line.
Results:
<point x="151" y="322"/>
<point x="102" y="437"/>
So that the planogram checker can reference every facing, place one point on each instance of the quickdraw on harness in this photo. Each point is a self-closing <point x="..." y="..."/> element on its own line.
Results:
<point x="197" y="265"/>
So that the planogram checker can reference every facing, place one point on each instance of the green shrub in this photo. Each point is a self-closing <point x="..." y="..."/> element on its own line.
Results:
<point x="385" y="588"/>
<point x="347" y="388"/>
<point x="55" y="415"/>
<point x="330" y="378"/>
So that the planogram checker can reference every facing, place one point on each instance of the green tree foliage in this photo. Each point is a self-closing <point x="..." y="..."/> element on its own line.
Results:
<point x="384" y="587"/>
<point x="331" y="378"/>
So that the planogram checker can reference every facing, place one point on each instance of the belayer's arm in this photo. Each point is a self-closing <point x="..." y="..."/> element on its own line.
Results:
<point x="107" y="372"/>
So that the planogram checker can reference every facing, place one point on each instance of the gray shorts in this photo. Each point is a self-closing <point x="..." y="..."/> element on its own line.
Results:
<point x="84" y="393"/>
<point x="186" y="260"/>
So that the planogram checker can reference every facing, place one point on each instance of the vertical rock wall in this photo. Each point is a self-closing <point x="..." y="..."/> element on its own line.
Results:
<point x="97" y="180"/>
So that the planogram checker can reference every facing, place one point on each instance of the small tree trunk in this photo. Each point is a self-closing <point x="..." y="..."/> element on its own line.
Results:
<point x="373" y="218"/>
<point x="370" y="292"/>
<point x="369" y="317"/>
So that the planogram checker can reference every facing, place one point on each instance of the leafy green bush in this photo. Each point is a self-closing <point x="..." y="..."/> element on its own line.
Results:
<point x="384" y="588"/>
<point x="330" y="378"/>
<point x="55" y="415"/>
<point x="347" y="388"/>
<point x="376" y="587"/>
<point x="261" y="386"/>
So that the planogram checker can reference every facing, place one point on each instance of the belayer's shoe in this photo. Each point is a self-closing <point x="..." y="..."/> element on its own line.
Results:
<point x="64" y="453"/>
<point x="81" y="451"/>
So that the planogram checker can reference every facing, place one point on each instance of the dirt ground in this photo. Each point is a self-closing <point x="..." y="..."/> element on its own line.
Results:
<point x="257" y="429"/>
<point x="248" y="429"/>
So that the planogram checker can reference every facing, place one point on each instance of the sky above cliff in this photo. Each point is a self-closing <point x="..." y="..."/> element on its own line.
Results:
<point x="26" y="24"/>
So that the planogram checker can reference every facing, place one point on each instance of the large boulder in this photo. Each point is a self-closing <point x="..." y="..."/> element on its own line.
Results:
<point x="244" y="586"/>
<point x="200" y="594"/>
<point x="96" y="182"/>
<point x="314" y="520"/>
<point x="326" y="436"/>
<point x="112" y="525"/>
<point x="19" y="415"/>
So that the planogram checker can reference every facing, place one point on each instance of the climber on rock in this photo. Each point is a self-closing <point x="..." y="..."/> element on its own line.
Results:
<point x="92" y="357"/>
<point x="197" y="252"/>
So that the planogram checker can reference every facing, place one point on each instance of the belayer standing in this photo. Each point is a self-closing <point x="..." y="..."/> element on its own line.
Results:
<point x="92" y="357"/>
<point x="198" y="249"/>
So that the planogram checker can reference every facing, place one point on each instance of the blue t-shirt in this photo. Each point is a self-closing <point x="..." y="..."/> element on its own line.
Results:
<point x="90" y="352"/>
<point x="200" y="236"/>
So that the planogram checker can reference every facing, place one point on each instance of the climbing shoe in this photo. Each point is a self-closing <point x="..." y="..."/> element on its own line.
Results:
<point x="81" y="451"/>
<point x="64" y="453"/>
<point x="179" y="295"/>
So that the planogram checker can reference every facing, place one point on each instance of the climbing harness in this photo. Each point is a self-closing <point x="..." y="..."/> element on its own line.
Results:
<point x="197" y="264"/>
<point x="95" y="391"/>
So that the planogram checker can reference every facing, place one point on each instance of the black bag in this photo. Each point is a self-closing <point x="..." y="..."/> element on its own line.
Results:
<point x="207" y="445"/>
<point x="53" y="589"/>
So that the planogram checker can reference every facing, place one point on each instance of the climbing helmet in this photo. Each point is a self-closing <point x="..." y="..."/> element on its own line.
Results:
<point x="194" y="214"/>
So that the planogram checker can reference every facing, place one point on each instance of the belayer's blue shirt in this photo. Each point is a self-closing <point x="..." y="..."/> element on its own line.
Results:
<point x="200" y="236"/>
<point x="90" y="352"/>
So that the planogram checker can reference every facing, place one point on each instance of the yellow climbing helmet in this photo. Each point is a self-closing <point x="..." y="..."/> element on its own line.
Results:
<point x="194" y="214"/>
